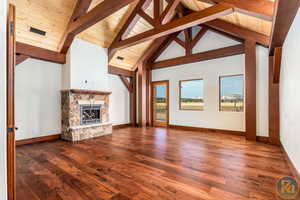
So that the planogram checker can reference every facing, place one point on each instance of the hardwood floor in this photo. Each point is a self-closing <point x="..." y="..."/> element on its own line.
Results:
<point x="150" y="164"/>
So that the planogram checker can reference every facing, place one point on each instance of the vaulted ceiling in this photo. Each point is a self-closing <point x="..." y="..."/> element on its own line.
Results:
<point x="52" y="16"/>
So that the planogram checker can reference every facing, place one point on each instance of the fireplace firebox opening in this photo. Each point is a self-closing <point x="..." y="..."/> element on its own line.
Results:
<point x="90" y="114"/>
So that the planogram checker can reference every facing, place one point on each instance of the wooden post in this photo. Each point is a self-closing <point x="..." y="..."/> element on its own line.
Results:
<point x="274" y="131"/>
<point x="149" y="96"/>
<point x="133" y="102"/>
<point x="144" y="95"/>
<point x="142" y="117"/>
<point x="250" y="77"/>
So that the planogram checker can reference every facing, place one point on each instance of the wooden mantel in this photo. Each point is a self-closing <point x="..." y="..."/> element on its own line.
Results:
<point x="95" y="92"/>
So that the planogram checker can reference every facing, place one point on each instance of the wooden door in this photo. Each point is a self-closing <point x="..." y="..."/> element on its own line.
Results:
<point x="160" y="103"/>
<point x="11" y="147"/>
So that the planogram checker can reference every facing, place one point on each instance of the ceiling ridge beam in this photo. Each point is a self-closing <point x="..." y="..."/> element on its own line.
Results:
<point x="188" y="21"/>
<point x="203" y="56"/>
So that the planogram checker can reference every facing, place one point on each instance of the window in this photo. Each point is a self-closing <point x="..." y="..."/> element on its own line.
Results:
<point x="191" y="95"/>
<point x="232" y="93"/>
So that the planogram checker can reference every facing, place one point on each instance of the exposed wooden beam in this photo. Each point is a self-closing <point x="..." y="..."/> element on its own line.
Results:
<point x="157" y="9"/>
<point x="133" y="101"/>
<point x="153" y="48"/>
<point x="258" y="8"/>
<point x="142" y="94"/>
<point x="146" y="17"/>
<point x="239" y="31"/>
<point x="179" y="41"/>
<point x="129" y="24"/>
<point x="126" y="82"/>
<point x="285" y="12"/>
<point x="199" y="35"/>
<point x="208" y="55"/>
<point x="158" y="45"/>
<point x="188" y="41"/>
<point x="168" y="13"/>
<point x="185" y="22"/>
<point x="67" y="39"/>
<point x="232" y="37"/>
<point x="101" y="11"/>
<point x="120" y="71"/>
<point x="274" y="114"/>
<point x="40" y="53"/>
<point x="21" y="58"/>
<point x="250" y="97"/>
<point x="162" y="47"/>
<point x="277" y="64"/>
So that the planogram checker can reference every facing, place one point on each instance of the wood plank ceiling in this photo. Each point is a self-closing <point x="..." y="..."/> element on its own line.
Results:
<point x="52" y="16"/>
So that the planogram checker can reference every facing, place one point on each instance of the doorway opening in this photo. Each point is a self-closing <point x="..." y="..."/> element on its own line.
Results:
<point x="160" y="103"/>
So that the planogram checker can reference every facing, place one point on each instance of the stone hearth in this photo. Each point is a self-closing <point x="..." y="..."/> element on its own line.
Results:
<point x="72" y="127"/>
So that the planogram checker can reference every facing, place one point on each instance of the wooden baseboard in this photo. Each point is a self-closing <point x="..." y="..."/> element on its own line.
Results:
<point x="263" y="139"/>
<point x="190" y="128"/>
<point x="38" y="139"/>
<point x="56" y="136"/>
<point x="290" y="164"/>
<point x="116" y="127"/>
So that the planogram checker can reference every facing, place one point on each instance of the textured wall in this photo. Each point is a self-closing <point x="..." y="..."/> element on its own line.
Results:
<point x="289" y="94"/>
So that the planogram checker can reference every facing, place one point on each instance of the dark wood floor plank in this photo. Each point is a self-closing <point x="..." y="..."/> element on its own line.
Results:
<point x="150" y="163"/>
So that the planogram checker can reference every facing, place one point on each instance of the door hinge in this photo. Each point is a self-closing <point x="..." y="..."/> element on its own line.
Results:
<point x="10" y="130"/>
<point x="12" y="28"/>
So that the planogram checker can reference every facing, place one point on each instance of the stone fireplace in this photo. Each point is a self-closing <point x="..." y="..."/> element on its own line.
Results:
<point x="84" y="114"/>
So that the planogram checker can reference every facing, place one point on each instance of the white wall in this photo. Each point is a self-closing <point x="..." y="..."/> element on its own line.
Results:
<point x="119" y="109"/>
<point x="88" y="64"/>
<point x="86" y="68"/>
<point x="3" y="14"/>
<point x="38" y="86"/>
<point x="210" y="72"/>
<point x="289" y="94"/>
<point x="37" y="102"/>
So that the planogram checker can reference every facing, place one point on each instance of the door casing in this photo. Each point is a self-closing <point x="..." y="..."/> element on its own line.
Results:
<point x="153" y="84"/>
<point x="10" y="112"/>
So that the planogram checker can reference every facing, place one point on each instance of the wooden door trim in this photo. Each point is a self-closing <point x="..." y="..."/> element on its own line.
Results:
<point x="11" y="144"/>
<point x="153" y="83"/>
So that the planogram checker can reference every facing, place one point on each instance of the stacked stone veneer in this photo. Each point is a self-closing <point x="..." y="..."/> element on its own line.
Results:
<point x="72" y="130"/>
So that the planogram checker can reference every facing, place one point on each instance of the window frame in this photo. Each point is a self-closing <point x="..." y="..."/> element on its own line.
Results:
<point x="180" y="83"/>
<point x="226" y="76"/>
